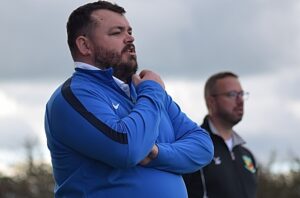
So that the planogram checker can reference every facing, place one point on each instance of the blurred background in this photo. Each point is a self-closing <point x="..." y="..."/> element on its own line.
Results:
<point x="184" y="41"/>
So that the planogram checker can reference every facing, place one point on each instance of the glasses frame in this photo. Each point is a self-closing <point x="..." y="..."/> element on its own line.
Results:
<point x="234" y="94"/>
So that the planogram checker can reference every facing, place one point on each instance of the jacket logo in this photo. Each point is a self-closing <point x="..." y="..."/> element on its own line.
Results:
<point x="217" y="160"/>
<point x="115" y="106"/>
<point x="248" y="164"/>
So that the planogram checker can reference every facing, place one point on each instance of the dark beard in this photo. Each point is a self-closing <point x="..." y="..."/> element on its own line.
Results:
<point x="234" y="121"/>
<point x="123" y="70"/>
<point x="229" y="119"/>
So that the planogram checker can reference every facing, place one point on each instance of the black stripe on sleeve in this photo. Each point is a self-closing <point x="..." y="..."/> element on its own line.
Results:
<point x="78" y="106"/>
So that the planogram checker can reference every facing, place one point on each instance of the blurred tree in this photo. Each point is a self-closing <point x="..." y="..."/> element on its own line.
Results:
<point x="32" y="179"/>
<point x="279" y="185"/>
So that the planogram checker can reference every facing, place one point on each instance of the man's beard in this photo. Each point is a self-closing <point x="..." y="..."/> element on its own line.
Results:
<point x="230" y="118"/>
<point x="122" y="69"/>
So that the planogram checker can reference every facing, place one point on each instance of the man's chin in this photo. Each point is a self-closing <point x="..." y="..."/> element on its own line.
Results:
<point x="132" y="71"/>
<point x="125" y="71"/>
<point x="131" y="66"/>
<point x="237" y="120"/>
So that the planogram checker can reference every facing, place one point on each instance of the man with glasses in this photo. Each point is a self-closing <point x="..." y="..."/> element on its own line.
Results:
<point x="232" y="173"/>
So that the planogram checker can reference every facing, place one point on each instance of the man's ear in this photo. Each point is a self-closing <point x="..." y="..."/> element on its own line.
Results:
<point x="84" y="45"/>
<point x="210" y="102"/>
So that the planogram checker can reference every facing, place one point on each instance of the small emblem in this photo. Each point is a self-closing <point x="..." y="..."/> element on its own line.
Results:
<point x="248" y="164"/>
<point x="116" y="106"/>
<point x="217" y="160"/>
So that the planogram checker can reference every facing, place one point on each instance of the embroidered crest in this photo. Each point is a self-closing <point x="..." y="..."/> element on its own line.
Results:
<point x="248" y="164"/>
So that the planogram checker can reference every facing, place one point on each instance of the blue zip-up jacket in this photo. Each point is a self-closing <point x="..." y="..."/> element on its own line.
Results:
<point x="97" y="136"/>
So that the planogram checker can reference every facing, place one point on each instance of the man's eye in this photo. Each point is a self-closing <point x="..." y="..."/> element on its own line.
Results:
<point x="232" y="94"/>
<point x="115" y="33"/>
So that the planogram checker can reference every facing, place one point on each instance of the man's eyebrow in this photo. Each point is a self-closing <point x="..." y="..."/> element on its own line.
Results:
<point x="121" y="28"/>
<point x="117" y="27"/>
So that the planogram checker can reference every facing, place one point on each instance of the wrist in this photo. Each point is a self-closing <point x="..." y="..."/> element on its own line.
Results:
<point x="154" y="152"/>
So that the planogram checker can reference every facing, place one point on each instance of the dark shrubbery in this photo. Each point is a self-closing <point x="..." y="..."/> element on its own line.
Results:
<point x="279" y="185"/>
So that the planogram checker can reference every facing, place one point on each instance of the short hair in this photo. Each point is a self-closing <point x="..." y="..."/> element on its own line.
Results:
<point x="209" y="87"/>
<point x="80" y="21"/>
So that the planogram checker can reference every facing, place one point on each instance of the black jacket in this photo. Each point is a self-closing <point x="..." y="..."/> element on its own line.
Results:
<point x="229" y="175"/>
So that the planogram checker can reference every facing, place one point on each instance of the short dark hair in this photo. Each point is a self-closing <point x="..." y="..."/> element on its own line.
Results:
<point x="80" y="21"/>
<point x="209" y="87"/>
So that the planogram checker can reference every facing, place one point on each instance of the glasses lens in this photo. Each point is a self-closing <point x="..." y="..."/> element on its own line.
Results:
<point x="245" y="95"/>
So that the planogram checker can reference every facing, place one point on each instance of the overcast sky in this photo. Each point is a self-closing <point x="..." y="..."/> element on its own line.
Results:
<point x="184" y="41"/>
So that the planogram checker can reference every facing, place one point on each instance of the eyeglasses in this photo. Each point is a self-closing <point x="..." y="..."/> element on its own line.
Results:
<point x="234" y="94"/>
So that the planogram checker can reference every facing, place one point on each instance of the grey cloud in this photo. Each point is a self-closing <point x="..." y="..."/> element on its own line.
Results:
<point x="288" y="87"/>
<point x="278" y="129"/>
<point x="14" y="133"/>
<point x="247" y="37"/>
<point x="180" y="39"/>
<point x="33" y="39"/>
<point x="263" y="149"/>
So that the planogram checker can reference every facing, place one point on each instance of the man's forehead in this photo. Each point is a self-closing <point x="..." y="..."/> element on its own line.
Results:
<point x="103" y="16"/>
<point x="228" y="82"/>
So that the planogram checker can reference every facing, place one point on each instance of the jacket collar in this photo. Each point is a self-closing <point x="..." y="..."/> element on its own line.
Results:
<point x="236" y="138"/>
<point x="103" y="74"/>
<point x="106" y="76"/>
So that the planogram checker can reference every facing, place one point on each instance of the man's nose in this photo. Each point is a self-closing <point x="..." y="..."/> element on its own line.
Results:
<point x="239" y="98"/>
<point x="129" y="38"/>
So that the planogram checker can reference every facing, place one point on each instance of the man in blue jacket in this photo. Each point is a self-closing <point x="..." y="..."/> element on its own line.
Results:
<point x="111" y="132"/>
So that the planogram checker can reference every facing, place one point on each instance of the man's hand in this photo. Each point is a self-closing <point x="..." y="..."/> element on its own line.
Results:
<point x="147" y="75"/>
<point x="151" y="156"/>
